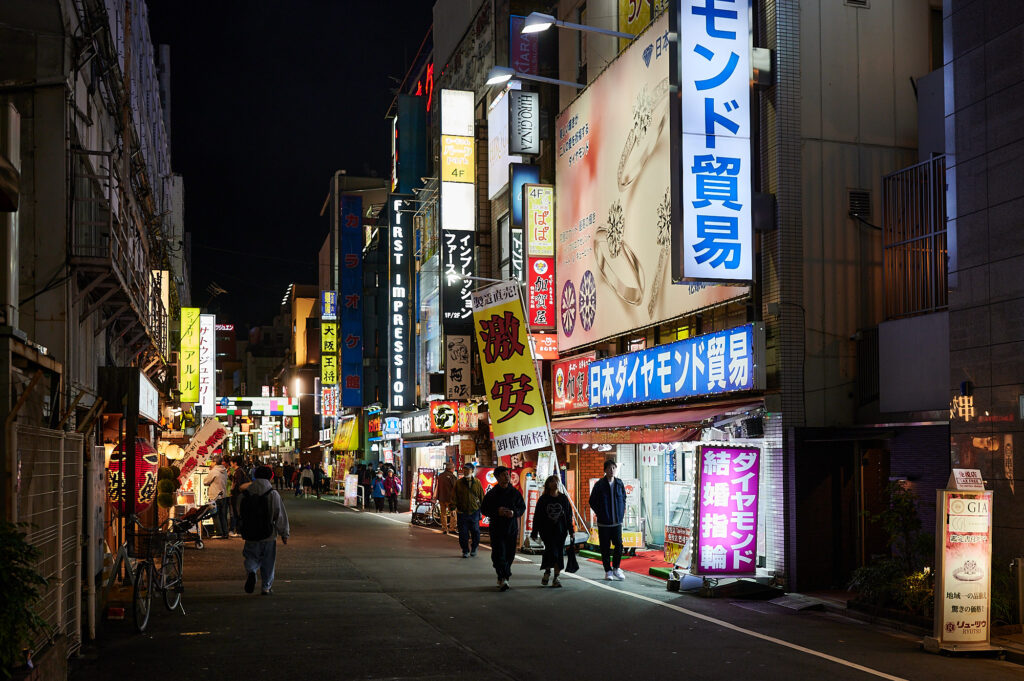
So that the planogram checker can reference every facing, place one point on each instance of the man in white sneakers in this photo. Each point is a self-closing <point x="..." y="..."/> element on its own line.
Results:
<point x="608" y="502"/>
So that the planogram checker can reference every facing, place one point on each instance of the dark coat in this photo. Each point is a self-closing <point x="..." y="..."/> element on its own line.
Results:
<point x="608" y="502"/>
<point x="507" y="497"/>
<point x="552" y="518"/>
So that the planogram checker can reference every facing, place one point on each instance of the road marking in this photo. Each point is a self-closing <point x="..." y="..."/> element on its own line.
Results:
<point x="741" y="630"/>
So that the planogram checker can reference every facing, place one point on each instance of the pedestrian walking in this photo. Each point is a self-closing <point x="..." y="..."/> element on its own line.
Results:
<point x="307" y="479"/>
<point x="297" y="480"/>
<point x="263" y="520"/>
<point x="503" y="505"/>
<point x="378" y="492"/>
<point x="217" y="492"/>
<point x="608" y="502"/>
<point x="318" y="478"/>
<point x="392" y="485"/>
<point x="366" y="479"/>
<point x="238" y="478"/>
<point x="552" y="522"/>
<point x="446" y="495"/>
<point x="469" y="494"/>
<point x="286" y="478"/>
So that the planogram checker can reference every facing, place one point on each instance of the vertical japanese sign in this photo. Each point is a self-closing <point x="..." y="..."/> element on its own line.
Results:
<point x="541" y="293"/>
<point x="401" y="333"/>
<point x="457" y="367"/>
<point x="350" y="301"/>
<point x="964" y="585"/>
<point x="207" y="362"/>
<point x="329" y="305"/>
<point x="328" y="353"/>
<point x="188" y="359"/>
<point x="540" y="219"/>
<point x="458" y="262"/>
<point x="570" y="379"/>
<point x="329" y="401"/>
<point x="458" y="160"/>
<point x="510" y="380"/>
<point x="712" y="237"/>
<point x="726" y="523"/>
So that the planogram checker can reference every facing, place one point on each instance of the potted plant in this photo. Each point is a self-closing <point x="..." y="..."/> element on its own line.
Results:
<point x="21" y="587"/>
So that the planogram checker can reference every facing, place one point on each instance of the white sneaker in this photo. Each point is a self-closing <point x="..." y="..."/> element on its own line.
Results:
<point x="619" y="574"/>
<point x="609" y="576"/>
<point x="500" y="581"/>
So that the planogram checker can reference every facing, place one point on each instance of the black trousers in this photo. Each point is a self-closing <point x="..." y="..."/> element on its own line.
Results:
<point x="503" y="552"/>
<point x="393" y="503"/>
<point x="606" y="536"/>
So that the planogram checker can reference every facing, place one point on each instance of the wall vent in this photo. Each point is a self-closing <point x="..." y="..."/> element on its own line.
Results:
<point x="860" y="4"/>
<point x="859" y="202"/>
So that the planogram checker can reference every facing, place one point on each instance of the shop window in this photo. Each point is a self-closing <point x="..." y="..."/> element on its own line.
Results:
<point x="683" y="332"/>
<point x="634" y="344"/>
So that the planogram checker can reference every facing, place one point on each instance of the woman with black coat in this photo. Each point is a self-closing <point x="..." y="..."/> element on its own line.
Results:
<point x="552" y="521"/>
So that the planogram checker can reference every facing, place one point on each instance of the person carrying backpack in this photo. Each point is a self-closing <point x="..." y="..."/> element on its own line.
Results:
<point x="262" y="519"/>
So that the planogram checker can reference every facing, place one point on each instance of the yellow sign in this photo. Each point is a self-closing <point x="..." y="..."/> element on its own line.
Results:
<point x="346" y="437"/>
<point x="328" y="337"/>
<point x="514" y="399"/>
<point x="329" y="369"/>
<point x="457" y="159"/>
<point x="188" y="357"/>
<point x="635" y="15"/>
<point x="540" y="219"/>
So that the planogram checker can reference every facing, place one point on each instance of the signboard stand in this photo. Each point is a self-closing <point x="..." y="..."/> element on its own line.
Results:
<point x="963" y="564"/>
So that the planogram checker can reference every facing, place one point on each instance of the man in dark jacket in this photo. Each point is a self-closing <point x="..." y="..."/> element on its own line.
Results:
<point x="504" y="505"/>
<point x="468" y="496"/>
<point x="446" y="495"/>
<point x="608" y="502"/>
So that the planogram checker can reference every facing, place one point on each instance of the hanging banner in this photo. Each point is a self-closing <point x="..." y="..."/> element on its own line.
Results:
<point x="964" y="579"/>
<point x="207" y="362"/>
<point x="401" y="390"/>
<point x="201" y="446"/>
<point x="712" y="234"/>
<point x="349" y="306"/>
<point x="188" y="359"/>
<point x="513" y="392"/>
<point x="458" y="261"/>
<point x="726" y="522"/>
<point x="457" y="367"/>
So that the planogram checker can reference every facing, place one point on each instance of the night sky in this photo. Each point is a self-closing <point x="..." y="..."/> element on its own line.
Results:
<point x="268" y="99"/>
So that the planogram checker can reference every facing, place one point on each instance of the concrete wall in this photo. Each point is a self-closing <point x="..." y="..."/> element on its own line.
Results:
<point x="858" y="122"/>
<point x="913" y="355"/>
<point x="984" y="67"/>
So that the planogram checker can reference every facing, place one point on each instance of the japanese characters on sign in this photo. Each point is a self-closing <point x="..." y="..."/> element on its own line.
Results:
<point x="544" y="345"/>
<point x="328" y="369"/>
<point x="328" y="337"/>
<point x="207" y="362"/>
<point x="614" y="158"/>
<point x="720" y="362"/>
<point x="540" y="219"/>
<point x="457" y="367"/>
<point x="516" y="254"/>
<point x="524" y="122"/>
<point x="349" y="342"/>
<point x="444" y="417"/>
<point x="712" y="236"/>
<point x="513" y="392"/>
<point x="570" y="379"/>
<point x="207" y="438"/>
<point x="189" y="355"/>
<point x="541" y="294"/>
<point x="726" y="523"/>
<point x="329" y="401"/>
<point x="522" y="175"/>
<point x="149" y="399"/>
<point x="458" y="261"/>
<point x="425" y="485"/>
<point x="329" y="305"/>
<point x="458" y="160"/>
<point x="964" y="585"/>
<point x="401" y="333"/>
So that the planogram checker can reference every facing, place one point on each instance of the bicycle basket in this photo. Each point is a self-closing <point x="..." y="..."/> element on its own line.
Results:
<point x="145" y="544"/>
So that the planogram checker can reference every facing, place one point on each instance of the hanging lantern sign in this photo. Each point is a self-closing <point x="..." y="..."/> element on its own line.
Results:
<point x="146" y="461"/>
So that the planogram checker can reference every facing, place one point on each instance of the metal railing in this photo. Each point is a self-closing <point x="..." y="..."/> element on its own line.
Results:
<point x="914" y="239"/>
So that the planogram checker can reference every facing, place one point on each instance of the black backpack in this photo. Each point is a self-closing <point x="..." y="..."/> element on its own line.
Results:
<point x="256" y="516"/>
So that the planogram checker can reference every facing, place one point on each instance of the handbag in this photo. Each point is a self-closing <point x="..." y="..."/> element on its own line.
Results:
<point x="571" y="564"/>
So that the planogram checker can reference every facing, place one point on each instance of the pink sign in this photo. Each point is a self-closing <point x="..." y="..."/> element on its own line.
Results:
<point x="523" y="48"/>
<point x="726" y="527"/>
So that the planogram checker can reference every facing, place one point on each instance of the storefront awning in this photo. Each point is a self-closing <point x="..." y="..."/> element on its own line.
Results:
<point x="422" y="443"/>
<point x="675" y="425"/>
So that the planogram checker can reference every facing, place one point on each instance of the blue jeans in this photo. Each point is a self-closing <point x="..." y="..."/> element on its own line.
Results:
<point x="469" y="529"/>
<point x="220" y="517"/>
<point x="261" y="555"/>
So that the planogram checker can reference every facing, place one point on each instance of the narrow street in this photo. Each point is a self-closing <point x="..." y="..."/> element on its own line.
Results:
<point x="362" y="596"/>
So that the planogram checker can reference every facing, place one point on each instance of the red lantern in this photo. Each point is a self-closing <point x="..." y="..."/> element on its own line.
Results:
<point x="147" y="461"/>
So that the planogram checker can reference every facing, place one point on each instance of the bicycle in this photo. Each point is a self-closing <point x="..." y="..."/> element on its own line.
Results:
<point x="168" y="578"/>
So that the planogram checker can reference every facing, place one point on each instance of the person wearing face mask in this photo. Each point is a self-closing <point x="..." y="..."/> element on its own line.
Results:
<point x="469" y="494"/>
<point x="503" y="505"/>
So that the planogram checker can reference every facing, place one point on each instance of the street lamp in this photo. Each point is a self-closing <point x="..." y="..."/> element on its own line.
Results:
<point x="502" y="74"/>
<point x="538" y="21"/>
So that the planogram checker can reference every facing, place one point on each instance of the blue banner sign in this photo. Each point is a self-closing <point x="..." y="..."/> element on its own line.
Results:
<point x="350" y="268"/>
<point x="720" y="362"/>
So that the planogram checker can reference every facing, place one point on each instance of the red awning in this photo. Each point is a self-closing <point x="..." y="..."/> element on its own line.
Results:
<point x="676" y="425"/>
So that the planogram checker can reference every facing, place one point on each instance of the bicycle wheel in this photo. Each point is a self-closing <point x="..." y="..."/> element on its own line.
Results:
<point x="435" y="513"/>
<point x="170" y="578"/>
<point x="142" y="594"/>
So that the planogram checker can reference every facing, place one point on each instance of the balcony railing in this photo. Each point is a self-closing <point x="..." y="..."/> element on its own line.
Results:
<point x="914" y="239"/>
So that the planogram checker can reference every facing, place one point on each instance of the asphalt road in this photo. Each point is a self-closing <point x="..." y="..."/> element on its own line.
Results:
<point x="361" y="596"/>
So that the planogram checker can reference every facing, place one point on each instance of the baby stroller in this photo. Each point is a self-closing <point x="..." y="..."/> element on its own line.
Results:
<point x="193" y="519"/>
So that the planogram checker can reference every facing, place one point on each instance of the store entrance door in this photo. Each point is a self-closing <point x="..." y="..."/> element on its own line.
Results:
<point x="652" y="491"/>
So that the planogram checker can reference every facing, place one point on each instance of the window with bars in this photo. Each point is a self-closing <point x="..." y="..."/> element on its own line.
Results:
<point x="914" y="239"/>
